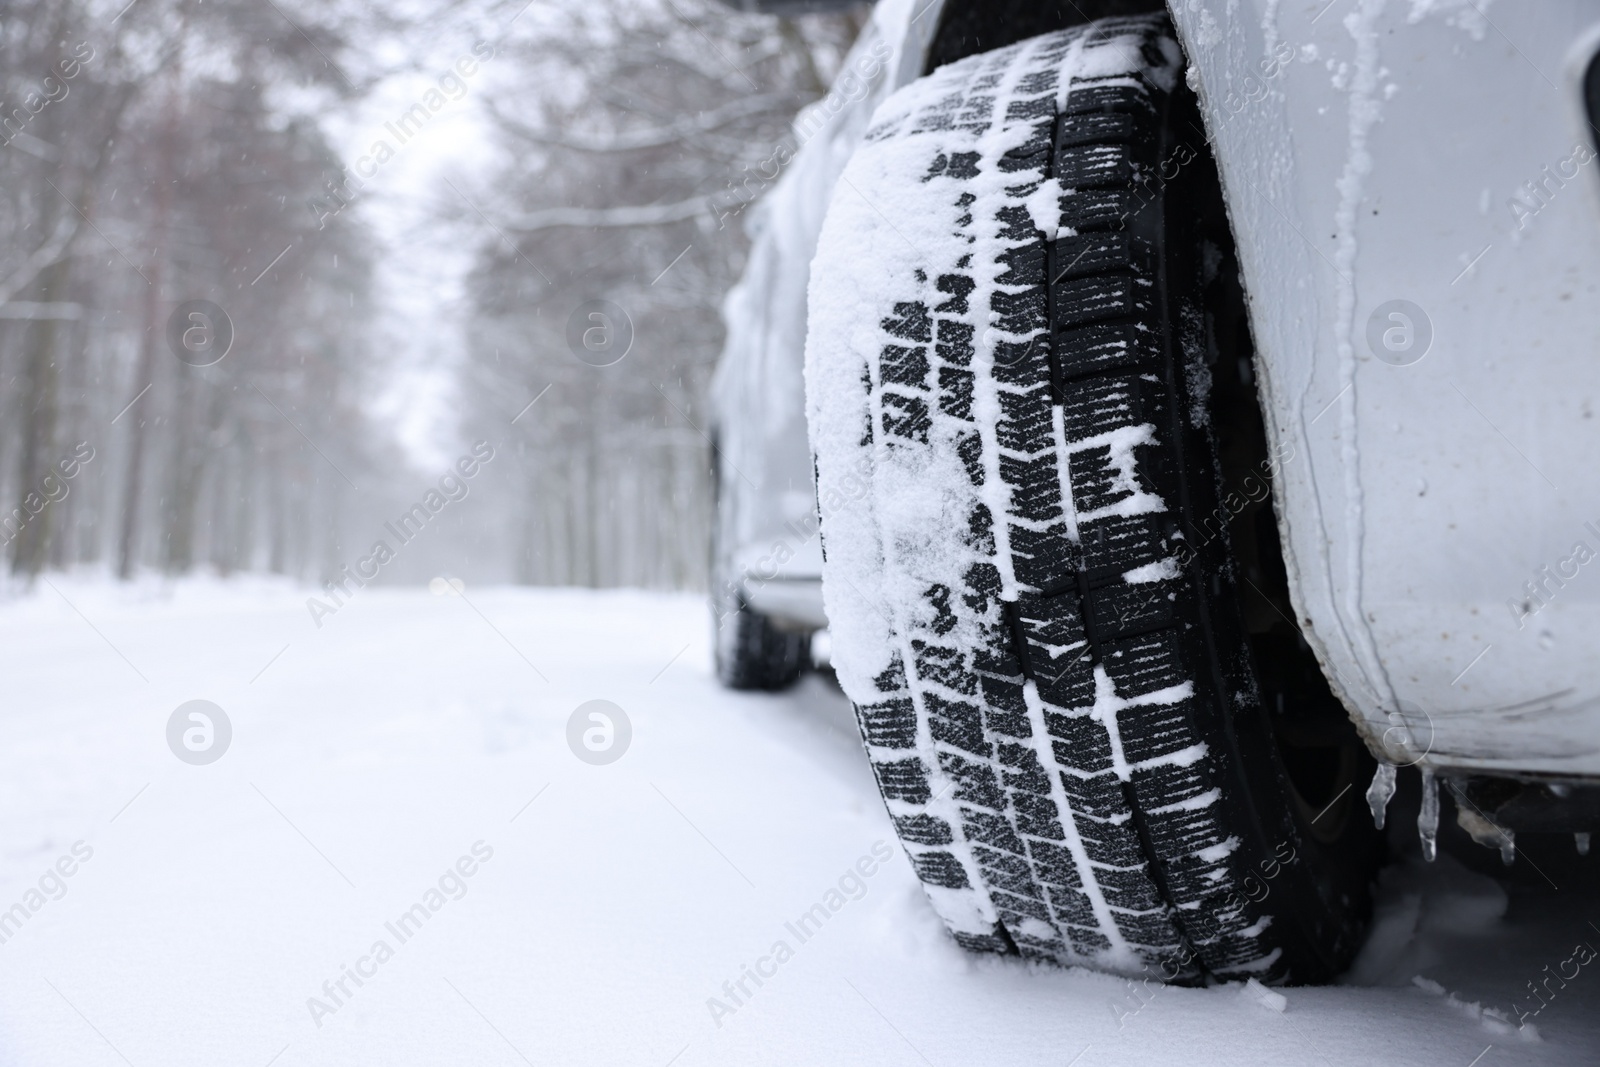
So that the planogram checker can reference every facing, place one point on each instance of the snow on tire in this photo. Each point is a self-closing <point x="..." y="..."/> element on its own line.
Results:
<point x="992" y="351"/>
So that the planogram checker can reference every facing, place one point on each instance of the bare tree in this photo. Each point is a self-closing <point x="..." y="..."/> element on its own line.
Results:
<point x="626" y="140"/>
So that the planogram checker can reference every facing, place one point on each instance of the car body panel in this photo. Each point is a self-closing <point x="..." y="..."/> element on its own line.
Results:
<point x="1381" y="162"/>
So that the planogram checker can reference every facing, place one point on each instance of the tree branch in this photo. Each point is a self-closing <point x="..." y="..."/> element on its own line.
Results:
<point x="704" y="122"/>
<point x="46" y="254"/>
<point x="631" y="215"/>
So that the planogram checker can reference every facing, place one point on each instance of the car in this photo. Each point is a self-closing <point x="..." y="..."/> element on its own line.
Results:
<point x="1200" y="414"/>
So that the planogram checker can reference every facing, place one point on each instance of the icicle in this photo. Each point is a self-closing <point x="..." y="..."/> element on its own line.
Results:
<point x="1508" y="846"/>
<point x="1582" y="841"/>
<point x="1379" y="792"/>
<point x="1428" y="817"/>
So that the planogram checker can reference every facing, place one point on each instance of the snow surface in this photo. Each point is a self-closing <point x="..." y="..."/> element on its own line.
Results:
<point x="382" y="747"/>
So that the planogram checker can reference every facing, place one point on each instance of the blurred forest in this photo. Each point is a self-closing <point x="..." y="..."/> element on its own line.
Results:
<point x="163" y="152"/>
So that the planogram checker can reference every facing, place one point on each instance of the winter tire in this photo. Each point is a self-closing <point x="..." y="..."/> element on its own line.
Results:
<point x="1060" y="610"/>
<point x="753" y="653"/>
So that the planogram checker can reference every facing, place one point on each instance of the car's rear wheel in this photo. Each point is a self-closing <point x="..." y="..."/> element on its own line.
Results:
<point x="753" y="652"/>
<point x="1061" y="611"/>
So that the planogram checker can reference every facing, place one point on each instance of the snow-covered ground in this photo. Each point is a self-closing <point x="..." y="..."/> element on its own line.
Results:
<point x="607" y="905"/>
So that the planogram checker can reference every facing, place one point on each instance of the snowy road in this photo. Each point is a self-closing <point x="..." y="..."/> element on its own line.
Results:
<point x="410" y="758"/>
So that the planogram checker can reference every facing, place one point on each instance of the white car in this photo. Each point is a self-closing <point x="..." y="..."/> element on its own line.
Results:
<point x="1202" y="412"/>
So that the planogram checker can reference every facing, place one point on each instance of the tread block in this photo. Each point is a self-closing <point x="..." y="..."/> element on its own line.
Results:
<point x="965" y="200"/>
<point x="1037" y="817"/>
<point x="1079" y="742"/>
<point x="923" y="830"/>
<point x="1098" y="297"/>
<point x="905" y="780"/>
<point x="1153" y="930"/>
<point x="1006" y="714"/>
<point x="955" y="393"/>
<point x="1025" y="265"/>
<point x="1043" y="559"/>
<point x="1189" y="881"/>
<point x="890" y="724"/>
<point x="995" y="943"/>
<point x="1015" y="907"/>
<point x="1098" y="482"/>
<point x="1113" y="844"/>
<point x="939" y="868"/>
<point x="1035" y="486"/>
<point x="1223" y="910"/>
<point x="1117" y="99"/>
<point x="1133" y="607"/>
<point x="1086" y="166"/>
<point x="1084" y="254"/>
<point x="1118" y="543"/>
<point x="1071" y="906"/>
<point x="909" y="322"/>
<point x="1101" y="127"/>
<point x="893" y="677"/>
<point x="1053" y="632"/>
<point x="943" y="664"/>
<point x="1024" y="311"/>
<point x="991" y="829"/>
<point x="1055" y="865"/>
<point x="944" y="618"/>
<point x="1043" y="80"/>
<point x="1025" y="419"/>
<point x="969" y="446"/>
<point x="1081" y="351"/>
<point x="1022" y="772"/>
<point x="906" y="417"/>
<point x="963" y="166"/>
<point x="1023" y="364"/>
<point x="1132" y="889"/>
<point x="976" y="783"/>
<point x="1007" y="704"/>
<point x="982" y="579"/>
<point x="1098" y="795"/>
<point x="1100" y="404"/>
<point x="1073" y="684"/>
<point x="957" y="288"/>
<point x="1140" y="665"/>
<point x="954" y="344"/>
<point x="900" y="365"/>
<point x="1099" y="209"/>
<point x="1033" y="106"/>
<point x="1152" y="731"/>
<point x="1007" y="872"/>
<point x="1087" y="940"/>
<point x="957" y="724"/>
<point x="1016" y="224"/>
